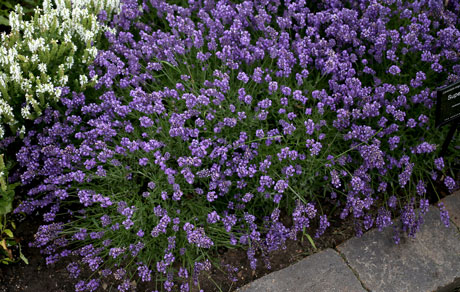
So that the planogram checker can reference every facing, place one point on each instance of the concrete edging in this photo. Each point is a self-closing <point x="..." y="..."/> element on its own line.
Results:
<point x="429" y="262"/>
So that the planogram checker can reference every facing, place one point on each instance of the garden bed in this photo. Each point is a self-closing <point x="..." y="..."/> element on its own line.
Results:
<point x="169" y="143"/>
<point x="37" y="276"/>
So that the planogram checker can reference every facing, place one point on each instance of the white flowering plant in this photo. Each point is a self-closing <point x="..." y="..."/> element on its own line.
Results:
<point x="38" y="56"/>
<point x="6" y="6"/>
<point x="50" y="51"/>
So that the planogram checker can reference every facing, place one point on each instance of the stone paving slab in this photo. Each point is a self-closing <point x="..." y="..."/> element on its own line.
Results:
<point x="323" y="271"/>
<point x="452" y="204"/>
<point x="430" y="262"/>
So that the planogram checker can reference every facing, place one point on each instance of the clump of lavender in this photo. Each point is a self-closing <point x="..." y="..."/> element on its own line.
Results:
<point x="212" y="117"/>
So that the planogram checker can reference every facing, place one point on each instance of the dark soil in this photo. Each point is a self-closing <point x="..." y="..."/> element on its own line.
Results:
<point x="37" y="276"/>
<point x="337" y="233"/>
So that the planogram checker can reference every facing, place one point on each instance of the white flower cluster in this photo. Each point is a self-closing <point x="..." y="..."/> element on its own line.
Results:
<point x="40" y="56"/>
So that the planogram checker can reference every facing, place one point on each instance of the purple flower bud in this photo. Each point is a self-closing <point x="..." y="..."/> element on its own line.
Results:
<point x="394" y="70"/>
<point x="449" y="182"/>
<point x="444" y="214"/>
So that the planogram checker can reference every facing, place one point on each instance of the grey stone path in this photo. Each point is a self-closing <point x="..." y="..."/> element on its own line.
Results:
<point x="425" y="263"/>
<point x="314" y="273"/>
<point x="429" y="262"/>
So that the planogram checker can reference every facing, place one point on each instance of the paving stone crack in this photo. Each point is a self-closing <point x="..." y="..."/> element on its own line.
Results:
<point x="352" y="270"/>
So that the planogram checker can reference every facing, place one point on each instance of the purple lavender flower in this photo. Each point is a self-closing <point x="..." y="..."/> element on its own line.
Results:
<point x="421" y="190"/>
<point x="80" y="286"/>
<point x="357" y="184"/>
<point x="439" y="163"/>
<point x="444" y="214"/>
<point x="125" y="286"/>
<point x="392" y="201"/>
<point x="143" y="161"/>
<point x="272" y="86"/>
<point x="368" y="222"/>
<point x="281" y="186"/>
<point x="323" y="224"/>
<point x="449" y="182"/>
<point x="144" y="273"/>
<point x="243" y="77"/>
<point x="213" y="217"/>
<point x="116" y="251"/>
<point x="383" y="219"/>
<point x="424" y="204"/>
<point x="92" y="285"/>
<point x="73" y="269"/>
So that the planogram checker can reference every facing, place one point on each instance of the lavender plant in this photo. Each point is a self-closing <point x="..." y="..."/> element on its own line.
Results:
<point x="216" y="118"/>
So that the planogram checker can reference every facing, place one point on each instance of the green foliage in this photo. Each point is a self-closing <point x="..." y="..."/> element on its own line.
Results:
<point x="6" y="191"/>
<point x="8" y="242"/>
<point x="6" y="7"/>
<point x="7" y="239"/>
<point x="7" y="226"/>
